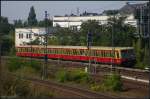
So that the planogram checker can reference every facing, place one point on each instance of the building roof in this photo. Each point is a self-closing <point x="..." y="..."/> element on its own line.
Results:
<point x="130" y="8"/>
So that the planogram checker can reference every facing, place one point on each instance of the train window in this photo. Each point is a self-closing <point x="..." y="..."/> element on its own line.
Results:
<point x="67" y="51"/>
<point x="85" y="52"/>
<point x="102" y="53"/>
<point x="31" y="49"/>
<point x="50" y="51"/>
<point x="117" y="55"/>
<point x="124" y="54"/>
<point x="53" y="51"/>
<point x="27" y="49"/>
<point x="96" y="53"/>
<point x="71" y="51"/>
<point x="64" y="51"/>
<point x="22" y="49"/>
<point x="82" y="52"/>
<point x="34" y="50"/>
<point x="18" y="50"/>
<point x="61" y="51"/>
<point x="78" y="51"/>
<point x="99" y="53"/>
<point x="106" y="53"/>
<point x="74" y="52"/>
<point x="92" y="53"/>
<point x="58" y="51"/>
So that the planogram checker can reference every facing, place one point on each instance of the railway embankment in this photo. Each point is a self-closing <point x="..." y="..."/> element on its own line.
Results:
<point x="129" y="88"/>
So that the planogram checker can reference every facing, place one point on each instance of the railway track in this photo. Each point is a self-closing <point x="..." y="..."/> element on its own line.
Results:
<point x="102" y="69"/>
<point x="70" y="90"/>
<point x="126" y="73"/>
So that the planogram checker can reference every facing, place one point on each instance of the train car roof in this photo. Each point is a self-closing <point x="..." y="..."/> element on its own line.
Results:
<point x="79" y="47"/>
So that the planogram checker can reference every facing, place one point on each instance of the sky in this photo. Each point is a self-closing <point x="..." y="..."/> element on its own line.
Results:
<point x="20" y="9"/>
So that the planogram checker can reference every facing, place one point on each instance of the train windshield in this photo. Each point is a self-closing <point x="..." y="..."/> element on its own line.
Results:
<point x="128" y="53"/>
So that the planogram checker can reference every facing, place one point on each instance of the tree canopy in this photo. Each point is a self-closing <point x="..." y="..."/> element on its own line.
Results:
<point x="32" y="21"/>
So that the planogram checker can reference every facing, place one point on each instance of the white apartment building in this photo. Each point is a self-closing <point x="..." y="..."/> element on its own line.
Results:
<point x="26" y="35"/>
<point x="76" y="21"/>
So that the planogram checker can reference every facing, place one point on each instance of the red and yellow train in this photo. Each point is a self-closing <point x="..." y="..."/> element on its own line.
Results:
<point x="106" y="55"/>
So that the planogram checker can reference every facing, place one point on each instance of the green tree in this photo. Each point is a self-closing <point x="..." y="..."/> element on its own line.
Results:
<point x="53" y="41"/>
<point x="18" y="23"/>
<point x="90" y="26"/>
<point x="6" y="41"/>
<point x="42" y="23"/>
<point x="32" y="21"/>
<point x="123" y="33"/>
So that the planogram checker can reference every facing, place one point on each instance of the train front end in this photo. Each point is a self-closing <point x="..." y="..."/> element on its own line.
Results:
<point x="128" y="57"/>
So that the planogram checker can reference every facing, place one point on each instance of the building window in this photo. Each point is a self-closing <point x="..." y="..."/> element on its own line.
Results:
<point x="30" y="36"/>
<point x="20" y="35"/>
<point x="26" y="35"/>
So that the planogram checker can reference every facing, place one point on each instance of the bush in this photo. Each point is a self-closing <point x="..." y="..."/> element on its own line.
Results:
<point x="34" y="64"/>
<point x="112" y="83"/>
<point x="15" y="64"/>
<point x="95" y="87"/>
<point x="79" y="76"/>
<point x="62" y="75"/>
<point x="18" y="63"/>
<point x="22" y="89"/>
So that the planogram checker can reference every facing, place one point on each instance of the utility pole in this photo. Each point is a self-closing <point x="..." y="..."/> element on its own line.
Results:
<point x="0" y="67"/>
<point x="89" y="39"/>
<point x="148" y="6"/>
<point x="30" y="36"/>
<point x="112" y="44"/>
<point x="45" y="50"/>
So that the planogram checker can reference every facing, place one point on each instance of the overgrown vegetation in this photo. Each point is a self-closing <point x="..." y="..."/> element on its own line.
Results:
<point x="19" y="63"/>
<point x="78" y="76"/>
<point x="110" y="83"/>
<point x="17" y="87"/>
